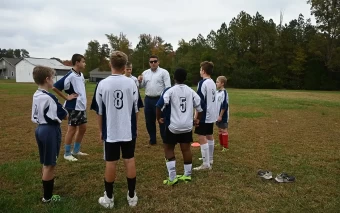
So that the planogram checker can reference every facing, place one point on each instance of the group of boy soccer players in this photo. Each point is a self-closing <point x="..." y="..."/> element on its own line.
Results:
<point x="117" y="102"/>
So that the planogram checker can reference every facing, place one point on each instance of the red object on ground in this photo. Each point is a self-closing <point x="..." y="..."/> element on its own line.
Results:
<point x="195" y="144"/>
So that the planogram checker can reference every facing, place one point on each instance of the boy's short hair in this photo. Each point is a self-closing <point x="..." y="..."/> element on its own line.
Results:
<point x="223" y="80"/>
<point x="180" y="75"/>
<point x="76" y="58"/>
<point x="129" y="64"/>
<point x="208" y="67"/>
<point x="153" y="56"/>
<point x="40" y="73"/>
<point x="118" y="60"/>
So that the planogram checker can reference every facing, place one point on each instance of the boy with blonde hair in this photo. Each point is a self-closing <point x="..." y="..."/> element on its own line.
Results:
<point x="48" y="113"/>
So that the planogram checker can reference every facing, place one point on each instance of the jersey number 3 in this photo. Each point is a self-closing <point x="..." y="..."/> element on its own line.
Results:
<point x="118" y="99"/>
<point x="183" y="104"/>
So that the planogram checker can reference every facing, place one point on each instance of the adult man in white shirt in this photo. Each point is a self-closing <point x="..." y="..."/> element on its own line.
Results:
<point x="155" y="80"/>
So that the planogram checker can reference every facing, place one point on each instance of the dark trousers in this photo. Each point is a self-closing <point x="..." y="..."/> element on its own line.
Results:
<point x="150" y="119"/>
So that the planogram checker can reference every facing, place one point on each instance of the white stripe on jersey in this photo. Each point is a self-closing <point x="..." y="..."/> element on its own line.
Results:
<point x="181" y="99"/>
<point x="207" y="91"/>
<point x="42" y="101"/>
<point x="117" y="94"/>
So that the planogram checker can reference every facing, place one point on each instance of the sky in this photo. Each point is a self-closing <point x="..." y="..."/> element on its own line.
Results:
<point x="61" y="28"/>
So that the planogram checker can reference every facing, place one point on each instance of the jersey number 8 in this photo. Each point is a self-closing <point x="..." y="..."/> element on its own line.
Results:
<point x="118" y="99"/>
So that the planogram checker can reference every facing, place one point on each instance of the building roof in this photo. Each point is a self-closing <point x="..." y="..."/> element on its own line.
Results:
<point x="52" y="63"/>
<point x="97" y="72"/>
<point x="12" y="61"/>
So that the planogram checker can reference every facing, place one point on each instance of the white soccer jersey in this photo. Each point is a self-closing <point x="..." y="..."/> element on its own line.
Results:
<point x="117" y="97"/>
<point x="73" y="82"/>
<point x="207" y="91"/>
<point x="180" y="101"/>
<point x="46" y="109"/>
<point x="135" y="80"/>
<point x="222" y="103"/>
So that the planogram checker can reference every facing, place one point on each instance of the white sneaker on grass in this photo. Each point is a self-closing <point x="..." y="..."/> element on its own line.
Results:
<point x="211" y="161"/>
<point x="202" y="167"/>
<point x="70" y="158"/>
<point x="106" y="202"/>
<point x="80" y="154"/>
<point x="132" y="201"/>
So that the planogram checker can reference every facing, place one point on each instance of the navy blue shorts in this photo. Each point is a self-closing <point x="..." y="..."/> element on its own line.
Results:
<point x="48" y="139"/>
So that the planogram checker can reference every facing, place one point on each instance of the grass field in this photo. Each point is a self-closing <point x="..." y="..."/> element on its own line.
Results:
<point x="293" y="131"/>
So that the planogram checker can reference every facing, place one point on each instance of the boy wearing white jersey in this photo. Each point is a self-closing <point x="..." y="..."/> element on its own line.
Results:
<point x="48" y="113"/>
<point x="206" y="90"/>
<point x="73" y="83"/>
<point x="177" y="105"/>
<point x="117" y="97"/>
<point x="128" y="71"/>
<point x="223" y="110"/>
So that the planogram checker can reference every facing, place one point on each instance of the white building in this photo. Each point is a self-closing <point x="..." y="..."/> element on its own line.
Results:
<point x="25" y="68"/>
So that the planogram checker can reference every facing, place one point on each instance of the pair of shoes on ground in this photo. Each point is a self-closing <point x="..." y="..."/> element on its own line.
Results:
<point x="72" y="158"/>
<point x="109" y="202"/>
<point x="177" y="179"/>
<point x="280" y="178"/>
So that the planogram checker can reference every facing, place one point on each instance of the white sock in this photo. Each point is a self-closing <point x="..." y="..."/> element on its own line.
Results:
<point x="211" y="149"/>
<point x="187" y="169"/>
<point x="205" y="154"/>
<point x="171" y="165"/>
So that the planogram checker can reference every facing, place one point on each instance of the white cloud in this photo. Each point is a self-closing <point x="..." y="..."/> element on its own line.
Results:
<point x="61" y="28"/>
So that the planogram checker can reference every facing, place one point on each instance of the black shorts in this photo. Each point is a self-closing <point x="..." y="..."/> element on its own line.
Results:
<point x="76" y="117"/>
<point x="205" y="129"/>
<point x="112" y="150"/>
<point x="171" y="138"/>
<point x="48" y="139"/>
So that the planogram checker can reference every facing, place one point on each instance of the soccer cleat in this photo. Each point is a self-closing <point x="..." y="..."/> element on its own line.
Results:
<point x="54" y="198"/>
<point x="106" y="202"/>
<point x="70" y="158"/>
<point x="80" y="154"/>
<point x="169" y="182"/>
<point x="202" y="167"/>
<point x="265" y="174"/>
<point x="211" y="161"/>
<point x="184" y="178"/>
<point x="284" y="178"/>
<point x="132" y="201"/>
<point x="224" y="149"/>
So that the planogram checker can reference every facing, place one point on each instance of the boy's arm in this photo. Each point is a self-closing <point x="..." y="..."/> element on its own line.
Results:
<point x="158" y="115"/>
<point x="61" y="94"/>
<point x="100" y="111"/>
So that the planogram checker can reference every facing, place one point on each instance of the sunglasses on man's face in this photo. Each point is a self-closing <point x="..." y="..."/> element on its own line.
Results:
<point x="155" y="61"/>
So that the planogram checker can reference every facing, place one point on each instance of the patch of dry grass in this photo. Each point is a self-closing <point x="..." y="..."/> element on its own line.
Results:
<point x="270" y="130"/>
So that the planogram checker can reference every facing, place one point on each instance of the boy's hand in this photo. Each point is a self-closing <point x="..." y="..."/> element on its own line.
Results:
<point x="196" y="122"/>
<point x="140" y="78"/>
<point x="161" y="121"/>
<point x="219" y="118"/>
<point x="72" y="96"/>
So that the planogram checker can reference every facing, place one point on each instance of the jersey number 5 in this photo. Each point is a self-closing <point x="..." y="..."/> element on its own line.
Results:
<point x="118" y="99"/>
<point x="183" y="104"/>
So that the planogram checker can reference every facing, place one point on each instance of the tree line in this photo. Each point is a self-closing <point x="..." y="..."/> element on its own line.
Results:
<point x="251" y="51"/>
<point x="14" y="53"/>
